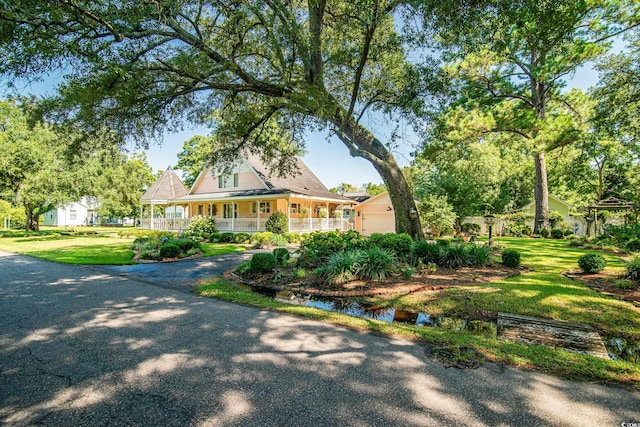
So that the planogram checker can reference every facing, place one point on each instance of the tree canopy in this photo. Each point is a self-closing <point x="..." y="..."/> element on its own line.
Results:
<point x="247" y="68"/>
<point x="510" y="60"/>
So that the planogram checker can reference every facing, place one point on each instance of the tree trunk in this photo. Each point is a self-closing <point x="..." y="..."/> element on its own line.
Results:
<point x="31" y="223"/>
<point x="541" y="220"/>
<point x="362" y="143"/>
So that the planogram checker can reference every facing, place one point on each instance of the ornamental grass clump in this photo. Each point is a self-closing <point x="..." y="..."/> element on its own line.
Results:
<point x="377" y="264"/>
<point x="592" y="263"/>
<point x="341" y="267"/>
<point x="281" y="255"/>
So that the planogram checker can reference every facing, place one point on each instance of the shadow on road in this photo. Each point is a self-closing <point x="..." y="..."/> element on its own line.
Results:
<point x="80" y="345"/>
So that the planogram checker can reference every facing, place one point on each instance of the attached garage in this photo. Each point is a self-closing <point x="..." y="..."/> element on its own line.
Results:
<point x="375" y="215"/>
<point x="378" y="223"/>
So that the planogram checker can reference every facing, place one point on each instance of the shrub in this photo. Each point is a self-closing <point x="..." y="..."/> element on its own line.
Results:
<point x="511" y="258"/>
<point x="408" y="272"/>
<point x="241" y="238"/>
<point x="261" y="239"/>
<point x="263" y="263"/>
<point x="199" y="225"/>
<point x="633" y="269"/>
<point x="633" y="245"/>
<point x="426" y="252"/>
<point x="544" y="233"/>
<point x="319" y="246"/>
<point x="568" y="232"/>
<point x="215" y="237"/>
<point x="170" y="250"/>
<point x="292" y="237"/>
<point x="341" y="267"/>
<point x="227" y="237"/>
<point x="518" y="229"/>
<point x="186" y="245"/>
<point x="399" y="244"/>
<point x="592" y="262"/>
<point x="299" y="273"/>
<point x="277" y="223"/>
<point x="556" y="233"/>
<point x="377" y="264"/>
<point x="277" y="240"/>
<point x="281" y="255"/>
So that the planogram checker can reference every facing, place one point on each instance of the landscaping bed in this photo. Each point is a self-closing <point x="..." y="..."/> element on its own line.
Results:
<point x="442" y="278"/>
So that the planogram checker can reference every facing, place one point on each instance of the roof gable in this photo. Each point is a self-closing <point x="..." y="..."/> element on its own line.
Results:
<point x="167" y="187"/>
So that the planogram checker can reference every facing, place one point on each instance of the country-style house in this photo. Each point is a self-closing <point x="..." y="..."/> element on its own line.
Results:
<point x="243" y="198"/>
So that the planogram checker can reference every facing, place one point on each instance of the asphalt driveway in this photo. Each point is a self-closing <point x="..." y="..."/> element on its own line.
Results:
<point x="80" y="345"/>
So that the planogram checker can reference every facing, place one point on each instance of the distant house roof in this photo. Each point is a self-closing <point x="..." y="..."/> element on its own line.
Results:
<point x="167" y="187"/>
<point x="551" y="196"/>
<point x="358" y="196"/>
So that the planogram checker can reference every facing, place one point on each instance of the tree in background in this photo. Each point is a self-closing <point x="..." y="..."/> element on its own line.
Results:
<point x="33" y="171"/>
<point x="195" y="153"/>
<point x="249" y="68"/>
<point x="374" y="189"/>
<point x="437" y="214"/>
<point x="343" y="188"/>
<point x="510" y="59"/>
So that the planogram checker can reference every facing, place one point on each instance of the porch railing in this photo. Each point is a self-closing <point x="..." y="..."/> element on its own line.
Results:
<point x="251" y="225"/>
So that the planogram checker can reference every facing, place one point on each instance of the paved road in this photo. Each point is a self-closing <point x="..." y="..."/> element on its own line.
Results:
<point x="180" y="275"/>
<point x="79" y="346"/>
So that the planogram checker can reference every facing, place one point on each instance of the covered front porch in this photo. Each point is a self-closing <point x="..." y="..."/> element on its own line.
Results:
<point x="250" y="215"/>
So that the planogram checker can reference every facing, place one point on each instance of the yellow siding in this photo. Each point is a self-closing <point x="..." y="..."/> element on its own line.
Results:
<point x="209" y="184"/>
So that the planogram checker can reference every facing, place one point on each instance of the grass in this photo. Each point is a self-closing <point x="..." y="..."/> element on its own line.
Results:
<point x="104" y="248"/>
<point x="217" y="249"/>
<point x="541" y="292"/>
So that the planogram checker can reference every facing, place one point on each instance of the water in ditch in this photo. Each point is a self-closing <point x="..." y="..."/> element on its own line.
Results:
<point x="618" y="348"/>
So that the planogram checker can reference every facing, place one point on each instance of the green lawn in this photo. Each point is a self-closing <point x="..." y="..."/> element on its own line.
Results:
<point x="95" y="249"/>
<point x="542" y="292"/>
<point x="105" y="248"/>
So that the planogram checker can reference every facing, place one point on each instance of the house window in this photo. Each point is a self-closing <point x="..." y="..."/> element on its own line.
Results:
<point x="295" y="208"/>
<point x="228" y="181"/>
<point x="213" y="210"/>
<point x="230" y="210"/>
<point x="73" y="215"/>
<point x="265" y="207"/>
<point x="201" y="210"/>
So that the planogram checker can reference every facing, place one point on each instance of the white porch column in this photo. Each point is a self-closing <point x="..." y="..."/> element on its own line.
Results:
<point x="258" y="217"/>
<point x="141" y="213"/>
<point x="151" y="222"/>
<point x="233" y="215"/>
<point x="310" y="216"/>
<point x="288" y="215"/>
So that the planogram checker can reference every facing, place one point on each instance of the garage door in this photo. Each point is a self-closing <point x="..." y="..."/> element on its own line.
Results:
<point x="378" y="223"/>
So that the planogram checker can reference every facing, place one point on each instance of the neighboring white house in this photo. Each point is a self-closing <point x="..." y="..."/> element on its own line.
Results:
<point x="83" y="212"/>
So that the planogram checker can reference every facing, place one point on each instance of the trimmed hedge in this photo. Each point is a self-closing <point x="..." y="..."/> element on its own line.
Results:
<point x="592" y="263"/>
<point x="263" y="263"/>
<point x="511" y="258"/>
<point x="399" y="244"/>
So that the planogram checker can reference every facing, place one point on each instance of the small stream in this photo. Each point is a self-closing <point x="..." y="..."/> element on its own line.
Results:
<point x="618" y="348"/>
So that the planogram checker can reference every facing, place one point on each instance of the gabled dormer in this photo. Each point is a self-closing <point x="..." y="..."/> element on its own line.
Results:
<point x="240" y="177"/>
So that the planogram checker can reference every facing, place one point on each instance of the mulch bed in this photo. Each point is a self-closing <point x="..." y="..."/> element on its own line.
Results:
<point x="442" y="279"/>
<point x="604" y="283"/>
